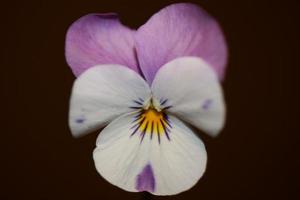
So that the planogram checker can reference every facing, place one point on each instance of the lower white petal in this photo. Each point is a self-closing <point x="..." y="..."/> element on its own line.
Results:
<point x="103" y="93"/>
<point x="190" y="89"/>
<point x="159" y="164"/>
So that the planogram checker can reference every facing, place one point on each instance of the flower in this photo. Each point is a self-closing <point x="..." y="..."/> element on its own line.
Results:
<point x="148" y="86"/>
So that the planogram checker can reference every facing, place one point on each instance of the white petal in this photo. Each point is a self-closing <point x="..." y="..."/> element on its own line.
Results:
<point x="101" y="94"/>
<point x="135" y="163"/>
<point x="192" y="88"/>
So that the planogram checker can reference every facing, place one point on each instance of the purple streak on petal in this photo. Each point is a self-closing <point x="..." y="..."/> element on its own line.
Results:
<point x="180" y="30"/>
<point x="207" y="103"/>
<point x="99" y="39"/>
<point x="145" y="181"/>
<point x="79" y="120"/>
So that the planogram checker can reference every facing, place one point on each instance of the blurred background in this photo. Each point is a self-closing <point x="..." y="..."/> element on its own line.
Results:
<point x="251" y="159"/>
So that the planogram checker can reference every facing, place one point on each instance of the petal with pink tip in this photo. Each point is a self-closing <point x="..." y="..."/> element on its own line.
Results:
<point x="99" y="39"/>
<point x="180" y="30"/>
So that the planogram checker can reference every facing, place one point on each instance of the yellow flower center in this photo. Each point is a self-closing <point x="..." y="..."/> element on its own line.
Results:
<point x="151" y="121"/>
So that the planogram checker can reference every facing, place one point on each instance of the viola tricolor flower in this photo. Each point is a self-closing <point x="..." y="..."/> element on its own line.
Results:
<point x="149" y="86"/>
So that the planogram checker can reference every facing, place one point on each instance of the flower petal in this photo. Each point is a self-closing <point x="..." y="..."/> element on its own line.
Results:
<point x="134" y="164"/>
<point x="99" y="39"/>
<point x="193" y="91"/>
<point x="102" y="93"/>
<point x="180" y="30"/>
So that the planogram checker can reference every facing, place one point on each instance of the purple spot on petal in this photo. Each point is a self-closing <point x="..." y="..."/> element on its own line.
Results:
<point x="80" y="120"/>
<point x="207" y="103"/>
<point x="145" y="180"/>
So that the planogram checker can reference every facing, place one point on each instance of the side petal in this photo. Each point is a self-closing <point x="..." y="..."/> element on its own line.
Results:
<point x="141" y="163"/>
<point x="192" y="92"/>
<point x="99" y="39"/>
<point x="178" y="30"/>
<point x="102" y="93"/>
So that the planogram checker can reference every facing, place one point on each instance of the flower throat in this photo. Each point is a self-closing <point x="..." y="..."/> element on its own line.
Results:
<point x="151" y="120"/>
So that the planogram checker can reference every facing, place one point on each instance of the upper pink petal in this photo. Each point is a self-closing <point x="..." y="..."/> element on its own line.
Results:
<point x="180" y="30"/>
<point x="99" y="39"/>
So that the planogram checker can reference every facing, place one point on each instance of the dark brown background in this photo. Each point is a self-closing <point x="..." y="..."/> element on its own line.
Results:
<point x="252" y="158"/>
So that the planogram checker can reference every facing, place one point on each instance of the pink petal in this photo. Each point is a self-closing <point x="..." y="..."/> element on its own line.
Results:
<point x="180" y="30"/>
<point x="99" y="39"/>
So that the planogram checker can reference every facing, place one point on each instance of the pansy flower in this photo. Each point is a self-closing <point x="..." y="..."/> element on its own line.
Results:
<point x="148" y="88"/>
